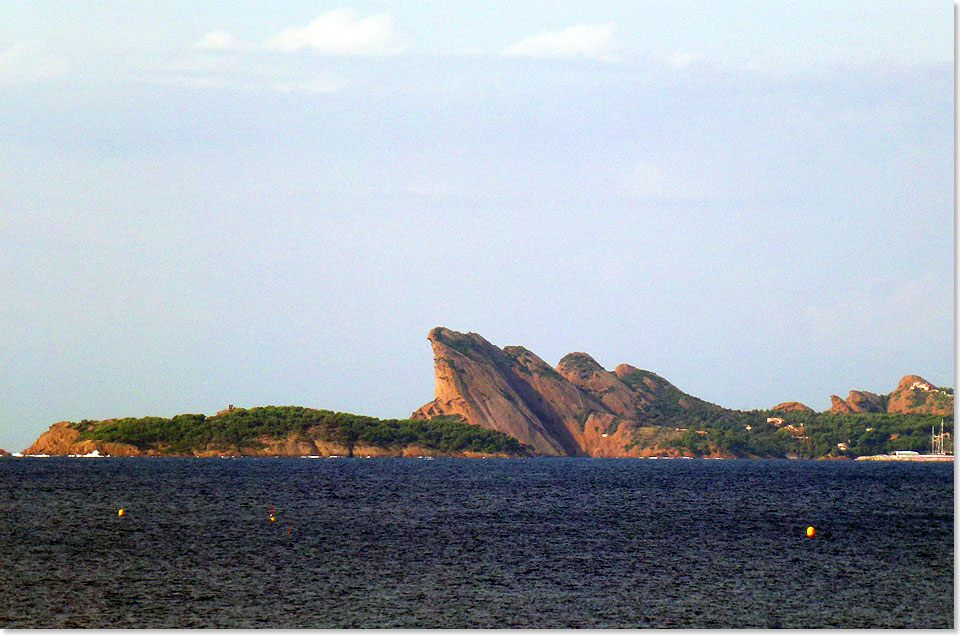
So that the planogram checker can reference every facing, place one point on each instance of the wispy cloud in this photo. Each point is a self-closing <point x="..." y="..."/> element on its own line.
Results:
<point x="30" y="61"/>
<point x="588" y="41"/>
<point x="341" y="32"/>
<point x="217" y="41"/>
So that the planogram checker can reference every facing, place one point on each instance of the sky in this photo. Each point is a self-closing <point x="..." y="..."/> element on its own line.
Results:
<point x="257" y="203"/>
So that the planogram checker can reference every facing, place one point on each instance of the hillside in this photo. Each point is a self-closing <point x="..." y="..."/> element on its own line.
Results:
<point x="581" y="409"/>
<point x="913" y="395"/>
<point x="274" y="431"/>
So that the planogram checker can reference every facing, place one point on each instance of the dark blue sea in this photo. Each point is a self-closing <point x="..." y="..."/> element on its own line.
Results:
<point x="459" y="543"/>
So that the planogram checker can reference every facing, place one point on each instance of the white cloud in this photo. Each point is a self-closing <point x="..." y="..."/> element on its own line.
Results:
<point x="340" y="32"/>
<point x="28" y="62"/>
<point x="589" y="41"/>
<point x="682" y="60"/>
<point x="217" y="41"/>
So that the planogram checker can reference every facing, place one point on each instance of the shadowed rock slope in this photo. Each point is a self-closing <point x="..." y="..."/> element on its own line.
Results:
<point x="576" y="409"/>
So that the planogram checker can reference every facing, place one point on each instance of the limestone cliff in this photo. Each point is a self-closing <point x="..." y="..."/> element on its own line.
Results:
<point x="577" y="409"/>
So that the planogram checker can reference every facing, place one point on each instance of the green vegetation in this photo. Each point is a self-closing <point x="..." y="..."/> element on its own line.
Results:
<point x="513" y="354"/>
<point x="462" y="344"/>
<point x="802" y="434"/>
<point x="582" y="417"/>
<point x="579" y="361"/>
<point x="636" y="379"/>
<point x="242" y="428"/>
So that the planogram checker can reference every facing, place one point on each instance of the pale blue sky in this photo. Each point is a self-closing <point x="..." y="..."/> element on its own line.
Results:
<point x="242" y="203"/>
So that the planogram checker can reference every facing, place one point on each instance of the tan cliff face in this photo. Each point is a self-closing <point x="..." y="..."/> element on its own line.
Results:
<point x="478" y="382"/>
<point x="576" y="409"/>
<point x="63" y="439"/>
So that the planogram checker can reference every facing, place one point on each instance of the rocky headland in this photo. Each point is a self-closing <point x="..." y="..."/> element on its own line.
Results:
<point x="288" y="431"/>
<point x="501" y="402"/>
<point x="580" y="408"/>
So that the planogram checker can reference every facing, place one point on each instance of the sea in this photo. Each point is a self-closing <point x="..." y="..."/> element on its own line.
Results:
<point x="474" y="543"/>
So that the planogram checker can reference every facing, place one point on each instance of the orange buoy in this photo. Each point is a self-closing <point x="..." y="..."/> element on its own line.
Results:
<point x="272" y="519"/>
<point x="120" y="512"/>
<point x="811" y="532"/>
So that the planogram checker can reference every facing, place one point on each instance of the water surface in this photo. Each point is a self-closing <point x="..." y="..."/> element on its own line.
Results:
<point x="474" y="543"/>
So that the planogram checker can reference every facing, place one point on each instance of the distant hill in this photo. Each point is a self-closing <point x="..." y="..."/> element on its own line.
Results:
<point x="913" y="395"/>
<point x="274" y="431"/>
<point x="581" y="409"/>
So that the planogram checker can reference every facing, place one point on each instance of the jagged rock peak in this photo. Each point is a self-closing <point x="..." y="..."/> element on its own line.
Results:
<point x="577" y="409"/>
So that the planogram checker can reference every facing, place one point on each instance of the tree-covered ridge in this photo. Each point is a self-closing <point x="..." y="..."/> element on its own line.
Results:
<point x="768" y="433"/>
<point x="246" y="428"/>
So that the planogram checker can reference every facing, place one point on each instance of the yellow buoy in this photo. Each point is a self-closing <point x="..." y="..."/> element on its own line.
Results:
<point x="811" y="532"/>
<point x="272" y="519"/>
<point x="121" y="512"/>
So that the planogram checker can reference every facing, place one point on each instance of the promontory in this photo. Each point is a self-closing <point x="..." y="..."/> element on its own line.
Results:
<point x="508" y="402"/>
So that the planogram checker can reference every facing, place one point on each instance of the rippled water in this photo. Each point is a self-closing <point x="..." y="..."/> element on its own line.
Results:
<point x="474" y="543"/>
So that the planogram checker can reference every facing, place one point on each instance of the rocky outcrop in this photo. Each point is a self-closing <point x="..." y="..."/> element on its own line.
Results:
<point x="863" y="401"/>
<point x="913" y="395"/>
<point x="576" y="409"/>
<point x="481" y="383"/>
<point x="839" y="406"/>
<point x="63" y="438"/>
<point x="792" y="406"/>
<point x="4" y="452"/>
<point x="581" y="409"/>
